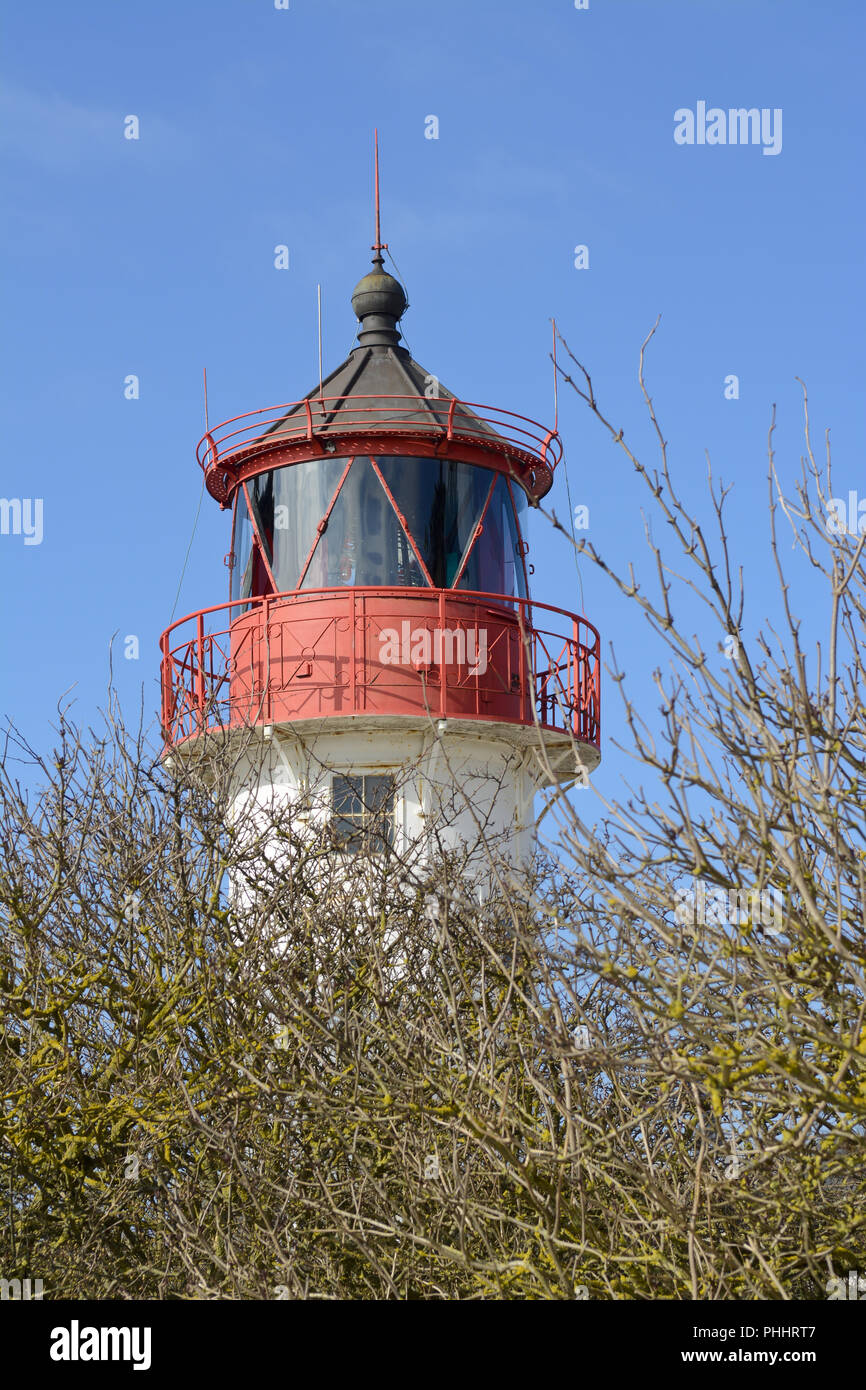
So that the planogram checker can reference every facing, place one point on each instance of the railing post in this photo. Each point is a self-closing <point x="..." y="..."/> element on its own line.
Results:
<point x="443" y="700"/>
<point x="163" y="673"/>
<point x="450" y="434"/>
<point x="477" y="676"/>
<point x="267" y="702"/>
<point x="576" y="692"/>
<point x="200" y="685"/>
<point x="549" y="436"/>
<point x="353" y="658"/>
<point x="589" y="675"/>
<point x="527" y="681"/>
<point x="596" y="681"/>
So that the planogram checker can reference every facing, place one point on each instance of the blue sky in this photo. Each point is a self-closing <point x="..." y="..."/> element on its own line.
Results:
<point x="155" y="258"/>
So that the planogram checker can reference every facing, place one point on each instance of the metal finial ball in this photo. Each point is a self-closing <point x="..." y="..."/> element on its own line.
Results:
<point x="379" y="293"/>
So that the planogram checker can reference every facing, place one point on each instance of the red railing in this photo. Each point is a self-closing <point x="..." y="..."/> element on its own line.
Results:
<point x="314" y="654"/>
<point x="259" y="431"/>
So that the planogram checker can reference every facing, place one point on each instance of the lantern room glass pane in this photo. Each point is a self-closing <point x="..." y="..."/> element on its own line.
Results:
<point x="495" y="565"/>
<point x="363" y="543"/>
<point x="443" y="501"/>
<point x="364" y="540"/>
<point x="288" y="504"/>
<point x="242" y="546"/>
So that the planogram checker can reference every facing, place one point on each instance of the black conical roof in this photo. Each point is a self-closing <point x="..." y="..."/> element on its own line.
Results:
<point x="380" y="367"/>
<point x="379" y="391"/>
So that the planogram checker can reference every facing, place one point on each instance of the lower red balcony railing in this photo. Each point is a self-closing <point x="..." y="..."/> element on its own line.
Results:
<point x="439" y="653"/>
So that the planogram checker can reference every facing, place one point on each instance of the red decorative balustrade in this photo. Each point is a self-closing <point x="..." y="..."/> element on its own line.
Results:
<point x="431" y="424"/>
<point x="428" y="653"/>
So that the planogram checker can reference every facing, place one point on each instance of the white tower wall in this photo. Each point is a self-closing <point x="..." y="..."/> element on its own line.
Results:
<point x="457" y="787"/>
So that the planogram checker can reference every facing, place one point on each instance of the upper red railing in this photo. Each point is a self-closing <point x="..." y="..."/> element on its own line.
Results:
<point x="416" y="652"/>
<point x="321" y="418"/>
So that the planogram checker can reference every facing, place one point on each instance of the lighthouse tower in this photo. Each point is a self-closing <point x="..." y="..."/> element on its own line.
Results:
<point x="380" y="669"/>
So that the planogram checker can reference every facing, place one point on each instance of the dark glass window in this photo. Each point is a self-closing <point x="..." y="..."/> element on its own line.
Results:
<point x="302" y="495"/>
<point x="287" y="505"/>
<point x="443" y="502"/>
<point x="495" y="565"/>
<point x="242" y="547"/>
<point x="363" y="543"/>
<point x="363" y="813"/>
<point x="261" y="494"/>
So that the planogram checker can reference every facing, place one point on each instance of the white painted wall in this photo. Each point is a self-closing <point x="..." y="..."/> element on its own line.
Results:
<point x="462" y="785"/>
<point x="454" y="789"/>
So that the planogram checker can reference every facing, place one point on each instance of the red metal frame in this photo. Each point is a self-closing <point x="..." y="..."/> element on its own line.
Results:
<point x="517" y="445"/>
<point x="285" y="657"/>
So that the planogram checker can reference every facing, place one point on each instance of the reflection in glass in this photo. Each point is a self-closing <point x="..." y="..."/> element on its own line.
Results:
<point x="288" y="504"/>
<point x="494" y="565"/>
<point x="363" y="812"/>
<point x="242" y="547"/>
<point x="443" y="502"/>
<point x="363" y="543"/>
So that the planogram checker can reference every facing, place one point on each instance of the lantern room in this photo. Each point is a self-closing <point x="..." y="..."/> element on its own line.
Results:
<point x="379" y="519"/>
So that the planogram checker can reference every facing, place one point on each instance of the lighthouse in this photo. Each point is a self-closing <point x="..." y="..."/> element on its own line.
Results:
<point x="379" y="669"/>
